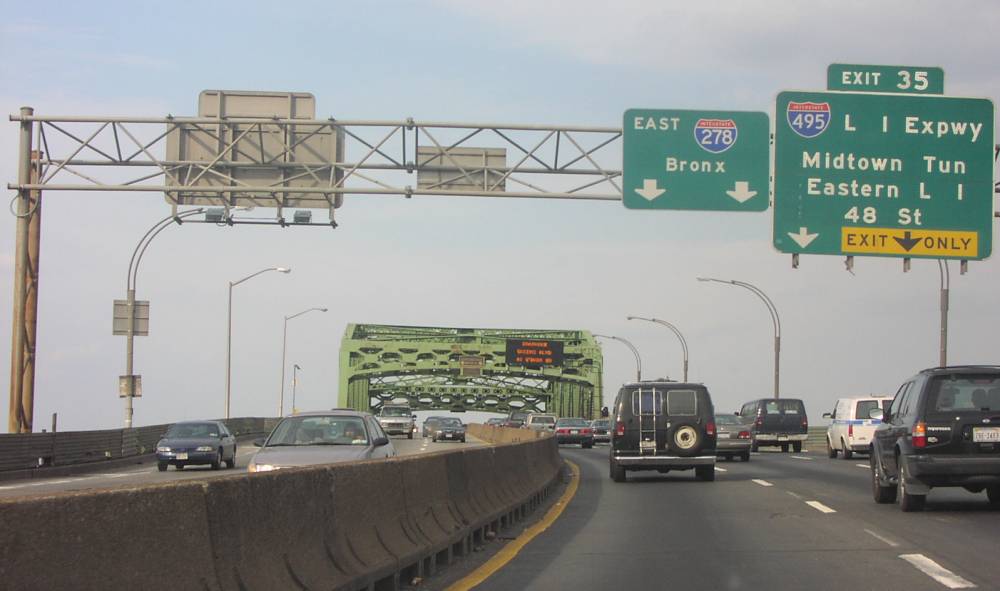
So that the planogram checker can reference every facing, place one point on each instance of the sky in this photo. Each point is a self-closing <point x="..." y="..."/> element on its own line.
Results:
<point x="450" y="261"/>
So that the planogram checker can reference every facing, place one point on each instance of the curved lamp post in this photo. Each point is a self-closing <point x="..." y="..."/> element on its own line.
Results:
<point x="684" y="345"/>
<point x="130" y="282"/>
<point x="284" y="345"/>
<point x="638" y="360"/>
<point x="774" y="319"/>
<point x="229" y="327"/>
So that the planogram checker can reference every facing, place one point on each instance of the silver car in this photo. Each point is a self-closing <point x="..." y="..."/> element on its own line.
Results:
<point x="733" y="439"/>
<point x="324" y="437"/>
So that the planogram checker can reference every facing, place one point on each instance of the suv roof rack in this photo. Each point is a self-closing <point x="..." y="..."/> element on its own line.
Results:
<point x="947" y="367"/>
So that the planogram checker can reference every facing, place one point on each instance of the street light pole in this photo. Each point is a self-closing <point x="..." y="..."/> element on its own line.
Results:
<point x="638" y="360"/>
<point x="284" y="344"/>
<point x="775" y="320"/>
<point x="945" y="288"/>
<point x="684" y="346"/>
<point x="295" y="383"/>
<point x="130" y="287"/>
<point x="229" y="327"/>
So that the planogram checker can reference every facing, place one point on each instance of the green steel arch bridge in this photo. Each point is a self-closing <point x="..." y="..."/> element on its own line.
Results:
<point x="481" y="369"/>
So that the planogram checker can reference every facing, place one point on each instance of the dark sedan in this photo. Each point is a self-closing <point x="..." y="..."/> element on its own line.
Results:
<point x="449" y="429"/>
<point x="574" y="431"/>
<point x="322" y="438"/>
<point x="190" y="443"/>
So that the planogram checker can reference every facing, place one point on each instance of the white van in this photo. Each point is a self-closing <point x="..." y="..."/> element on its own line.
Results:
<point x="852" y="427"/>
<point x="541" y="422"/>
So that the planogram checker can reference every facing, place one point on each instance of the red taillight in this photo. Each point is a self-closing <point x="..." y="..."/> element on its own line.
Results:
<point x="850" y="430"/>
<point x="759" y="422"/>
<point x="620" y="428"/>
<point x="919" y="435"/>
<point x="562" y="430"/>
<point x="585" y="431"/>
<point x="744" y="435"/>
<point x="805" y="422"/>
<point x="710" y="429"/>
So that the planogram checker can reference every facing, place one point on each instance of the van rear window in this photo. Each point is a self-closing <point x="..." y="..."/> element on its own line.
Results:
<point x="682" y="403"/>
<point x="783" y="407"/>
<point x="647" y="402"/>
<point x="865" y="407"/>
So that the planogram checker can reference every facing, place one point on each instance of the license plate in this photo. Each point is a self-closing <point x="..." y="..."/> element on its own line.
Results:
<point x="986" y="434"/>
<point x="182" y="456"/>
<point x="574" y="431"/>
<point x="447" y="435"/>
<point x="647" y="445"/>
<point x="782" y="437"/>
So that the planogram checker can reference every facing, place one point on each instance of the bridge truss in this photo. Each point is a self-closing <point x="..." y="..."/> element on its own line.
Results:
<point x="436" y="368"/>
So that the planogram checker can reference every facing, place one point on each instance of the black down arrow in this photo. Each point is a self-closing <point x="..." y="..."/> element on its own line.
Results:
<point x="907" y="242"/>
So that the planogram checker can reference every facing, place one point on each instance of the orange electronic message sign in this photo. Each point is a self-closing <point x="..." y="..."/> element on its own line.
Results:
<point x="534" y="352"/>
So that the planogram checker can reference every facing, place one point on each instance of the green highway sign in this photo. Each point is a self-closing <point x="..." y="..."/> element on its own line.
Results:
<point x="700" y="160"/>
<point x="883" y="175"/>
<point x="895" y="79"/>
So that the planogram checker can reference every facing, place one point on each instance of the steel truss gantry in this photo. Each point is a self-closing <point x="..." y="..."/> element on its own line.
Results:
<point x="438" y="368"/>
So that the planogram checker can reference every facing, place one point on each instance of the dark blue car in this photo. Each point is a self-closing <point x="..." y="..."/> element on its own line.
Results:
<point x="190" y="443"/>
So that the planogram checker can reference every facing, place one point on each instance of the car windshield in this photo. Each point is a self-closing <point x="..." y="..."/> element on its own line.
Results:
<point x="966" y="393"/>
<point x="319" y="430"/>
<point x="451" y="422"/>
<point x="602" y="423"/>
<point x="395" y="411"/>
<point x="572" y="423"/>
<point x="181" y="430"/>
<point x="727" y="420"/>
<point x="543" y="419"/>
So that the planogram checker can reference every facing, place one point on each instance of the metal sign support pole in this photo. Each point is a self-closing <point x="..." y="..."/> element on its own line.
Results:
<point x="945" y="288"/>
<point x="20" y="416"/>
<point x="129" y="343"/>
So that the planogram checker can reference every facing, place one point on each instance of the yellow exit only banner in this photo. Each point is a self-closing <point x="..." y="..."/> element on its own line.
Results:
<point x="896" y="241"/>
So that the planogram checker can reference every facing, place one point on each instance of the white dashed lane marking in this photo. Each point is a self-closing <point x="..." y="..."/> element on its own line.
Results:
<point x="718" y="469"/>
<point x="820" y="507"/>
<point x="937" y="572"/>
<point x="865" y="466"/>
<point x="801" y="458"/>
<point x="762" y="482"/>
<point x="881" y="538"/>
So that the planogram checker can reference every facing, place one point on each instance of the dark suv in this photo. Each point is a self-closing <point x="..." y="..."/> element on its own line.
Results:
<point x="942" y="429"/>
<point x="663" y="426"/>
<point x="780" y="422"/>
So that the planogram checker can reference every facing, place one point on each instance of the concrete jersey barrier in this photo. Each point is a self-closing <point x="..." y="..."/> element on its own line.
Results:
<point x="342" y="526"/>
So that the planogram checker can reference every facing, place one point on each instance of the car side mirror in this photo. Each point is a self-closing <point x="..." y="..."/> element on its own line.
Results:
<point x="736" y="414"/>
<point x="413" y="416"/>
<point x="259" y="442"/>
<point x="380" y="441"/>
<point x="827" y="415"/>
<point x="876" y="413"/>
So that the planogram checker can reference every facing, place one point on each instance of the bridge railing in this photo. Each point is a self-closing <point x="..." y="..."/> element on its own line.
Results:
<point x="26" y="451"/>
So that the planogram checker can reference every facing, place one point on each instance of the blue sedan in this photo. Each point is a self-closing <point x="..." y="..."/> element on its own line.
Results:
<point x="191" y="443"/>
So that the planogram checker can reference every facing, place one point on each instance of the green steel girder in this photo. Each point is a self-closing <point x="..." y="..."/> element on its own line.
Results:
<point x="423" y="365"/>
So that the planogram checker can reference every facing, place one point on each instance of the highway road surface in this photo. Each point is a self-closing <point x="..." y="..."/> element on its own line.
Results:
<point x="148" y="474"/>
<point x="781" y="521"/>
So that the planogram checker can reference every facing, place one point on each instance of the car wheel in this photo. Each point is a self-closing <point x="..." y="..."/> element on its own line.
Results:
<point x="587" y="445"/>
<point x="831" y="452"/>
<point x="686" y="440"/>
<point x="705" y="473"/>
<point x="161" y="466"/>
<point x="617" y="472"/>
<point x="797" y="446"/>
<point x="848" y="454"/>
<point x="908" y="503"/>
<point x="231" y="462"/>
<point x="784" y="448"/>
<point x="217" y="462"/>
<point x="463" y="440"/>
<point x="754" y="447"/>
<point x="179" y="466"/>
<point x="746" y="456"/>
<point x="409" y="434"/>
<point x="881" y="494"/>
<point x="993" y="494"/>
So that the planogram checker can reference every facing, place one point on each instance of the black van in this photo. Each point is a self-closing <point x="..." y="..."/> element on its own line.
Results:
<point x="663" y="426"/>
<point x="781" y="422"/>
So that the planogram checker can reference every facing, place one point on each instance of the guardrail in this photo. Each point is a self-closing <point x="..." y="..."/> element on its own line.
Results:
<point x="25" y="451"/>
<point x="366" y="525"/>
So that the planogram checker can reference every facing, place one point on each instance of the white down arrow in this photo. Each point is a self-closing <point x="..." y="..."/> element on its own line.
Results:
<point x="649" y="189"/>
<point x="741" y="192"/>
<point x="803" y="238"/>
